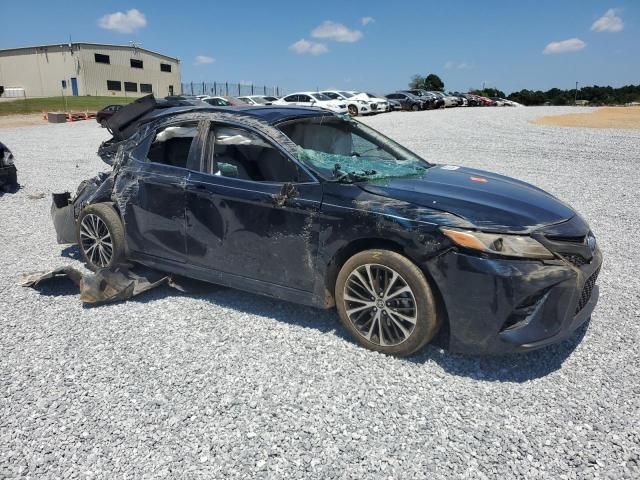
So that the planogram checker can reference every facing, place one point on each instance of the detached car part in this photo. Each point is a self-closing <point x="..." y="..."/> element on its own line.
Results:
<point x="316" y="208"/>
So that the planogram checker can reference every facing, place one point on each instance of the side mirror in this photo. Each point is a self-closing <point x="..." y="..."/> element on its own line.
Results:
<point x="287" y="192"/>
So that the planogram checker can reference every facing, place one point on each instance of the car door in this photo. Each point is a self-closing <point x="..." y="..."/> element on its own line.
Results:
<point x="405" y="101"/>
<point x="152" y="186"/>
<point x="306" y="101"/>
<point x="292" y="99"/>
<point x="252" y="212"/>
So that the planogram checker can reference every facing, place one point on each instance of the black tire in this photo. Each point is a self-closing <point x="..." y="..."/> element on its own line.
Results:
<point x="110" y="224"/>
<point x="426" y="322"/>
<point x="353" y="110"/>
<point x="415" y="107"/>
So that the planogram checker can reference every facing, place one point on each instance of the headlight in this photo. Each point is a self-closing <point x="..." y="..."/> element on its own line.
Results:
<point x="499" y="244"/>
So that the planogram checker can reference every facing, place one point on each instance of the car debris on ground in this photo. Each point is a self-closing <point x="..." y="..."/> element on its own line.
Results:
<point x="107" y="285"/>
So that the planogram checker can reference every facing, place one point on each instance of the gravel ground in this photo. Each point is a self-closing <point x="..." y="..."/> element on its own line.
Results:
<point x="226" y="384"/>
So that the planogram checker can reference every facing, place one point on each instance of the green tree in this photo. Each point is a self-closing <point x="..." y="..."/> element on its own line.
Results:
<point x="430" y="82"/>
<point x="433" y="82"/>
<point x="489" y="92"/>
<point x="417" y="81"/>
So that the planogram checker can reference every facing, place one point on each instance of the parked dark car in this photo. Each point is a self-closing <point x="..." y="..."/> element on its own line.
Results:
<point x="8" y="171"/>
<point x="473" y="100"/>
<point x="106" y="113"/>
<point x="431" y="101"/>
<point x="407" y="101"/>
<point x="311" y="207"/>
<point x="394" y="104"/>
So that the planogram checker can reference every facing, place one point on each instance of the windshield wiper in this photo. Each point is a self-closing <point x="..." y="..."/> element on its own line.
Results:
<point x="340" y="176"/>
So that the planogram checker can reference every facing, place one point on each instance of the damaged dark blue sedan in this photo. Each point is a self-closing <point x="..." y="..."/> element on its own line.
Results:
<point x="307" y="206"/>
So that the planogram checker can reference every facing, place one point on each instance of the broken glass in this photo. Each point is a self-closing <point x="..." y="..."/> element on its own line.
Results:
<point x="355" y="166"/>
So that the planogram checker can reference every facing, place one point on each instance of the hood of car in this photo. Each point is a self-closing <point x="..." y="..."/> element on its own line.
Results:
<point x="489" y="201"/>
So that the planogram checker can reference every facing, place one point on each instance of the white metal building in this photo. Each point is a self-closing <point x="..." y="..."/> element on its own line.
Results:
<point x="87" y="69"/>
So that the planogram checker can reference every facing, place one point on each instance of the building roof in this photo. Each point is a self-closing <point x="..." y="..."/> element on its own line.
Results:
<point x="108" y="45"/>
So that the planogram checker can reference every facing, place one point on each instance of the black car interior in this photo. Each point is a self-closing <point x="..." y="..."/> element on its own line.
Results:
<point x="171" y="145"/>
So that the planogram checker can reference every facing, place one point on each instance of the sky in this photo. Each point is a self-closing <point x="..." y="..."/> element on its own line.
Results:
<point x="357" y="45"/>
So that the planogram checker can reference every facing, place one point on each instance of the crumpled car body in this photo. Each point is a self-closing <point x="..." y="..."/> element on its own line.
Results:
<point x="511" y="267"/>
<point x="8" y="171"/>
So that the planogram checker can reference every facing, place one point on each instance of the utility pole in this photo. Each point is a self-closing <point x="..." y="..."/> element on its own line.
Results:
<point x="575" y="99"/>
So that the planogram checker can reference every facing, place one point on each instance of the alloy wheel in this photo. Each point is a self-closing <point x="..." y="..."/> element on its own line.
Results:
<point x="96" y="240"/>
<point x="380" y="304"/>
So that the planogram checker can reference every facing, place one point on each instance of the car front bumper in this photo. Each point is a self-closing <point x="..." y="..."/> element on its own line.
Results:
<point x="379" y="107"/>
<point x="499" y="306"/>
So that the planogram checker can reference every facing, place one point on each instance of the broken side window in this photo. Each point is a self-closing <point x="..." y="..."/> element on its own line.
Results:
<point x="240" y="153"/>
<point x="171" y="144"/>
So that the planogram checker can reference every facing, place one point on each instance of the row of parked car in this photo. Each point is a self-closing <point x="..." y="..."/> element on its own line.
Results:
<point x="339" y="101"/>
<point x="418" y="99"/>
<point x="345" y="101"/>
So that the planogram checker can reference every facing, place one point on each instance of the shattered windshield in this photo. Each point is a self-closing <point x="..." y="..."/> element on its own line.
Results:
<point x="343" y="149"/>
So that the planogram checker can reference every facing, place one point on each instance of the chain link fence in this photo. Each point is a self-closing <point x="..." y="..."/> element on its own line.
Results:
<point x="226" y="88"/>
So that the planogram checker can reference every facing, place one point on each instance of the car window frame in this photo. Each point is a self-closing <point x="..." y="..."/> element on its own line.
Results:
<point x="194" y="150"/>
<point x="313" y="178"/>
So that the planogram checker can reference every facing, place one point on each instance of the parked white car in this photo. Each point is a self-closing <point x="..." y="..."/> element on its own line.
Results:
<point x="378" y="104"/>
<point x="313" y="99"/>
<point x="449" y="101"/>
<point x="356" y="106"/>
<point x="257" y="100"/>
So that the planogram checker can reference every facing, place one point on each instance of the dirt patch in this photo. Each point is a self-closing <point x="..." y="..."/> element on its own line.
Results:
<point x="12" y="121"/>
<point x="608" y="117"/>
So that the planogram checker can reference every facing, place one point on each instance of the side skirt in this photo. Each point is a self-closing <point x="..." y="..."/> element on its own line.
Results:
<point x="230" y="280"/>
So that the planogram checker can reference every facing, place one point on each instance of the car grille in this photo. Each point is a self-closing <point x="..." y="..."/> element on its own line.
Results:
<point x="576" y="260"/>
<point x="586" y="290"/>
<point x="374" y="106"/>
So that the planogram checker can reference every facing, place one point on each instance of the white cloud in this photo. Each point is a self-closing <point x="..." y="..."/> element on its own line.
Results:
<point x="204" y="60"/>
<point x="564" y="46"/>
<point x="609" y="22"/>
<point x="303" y="46"/>
<point x="336" y="31"/>
<point x="461" y="66"/>
<point x="127" y="22"/>
<point x="367" y="20"/>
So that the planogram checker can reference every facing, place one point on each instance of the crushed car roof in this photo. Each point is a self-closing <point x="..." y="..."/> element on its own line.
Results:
<point x="269" y="113"/>
<point x="146" y="109"/>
